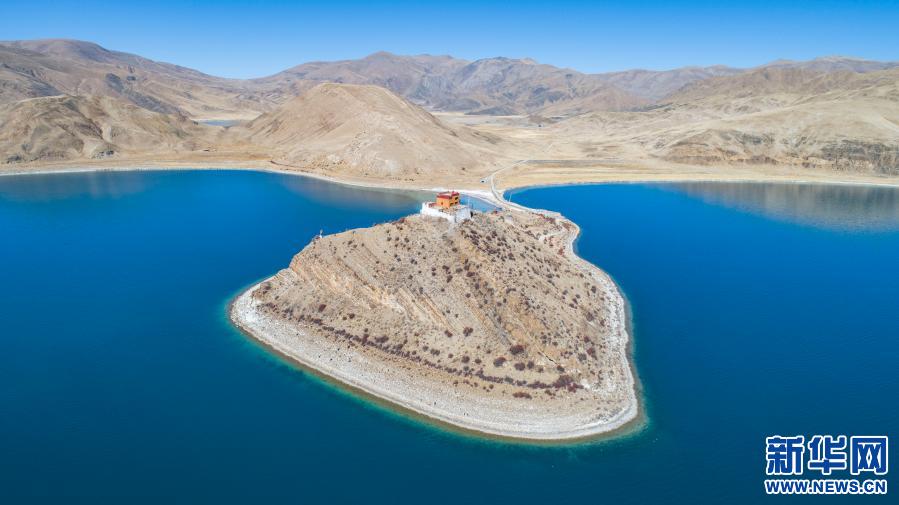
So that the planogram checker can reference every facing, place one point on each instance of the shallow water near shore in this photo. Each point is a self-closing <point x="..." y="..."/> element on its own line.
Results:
<point x="121" y="378"/>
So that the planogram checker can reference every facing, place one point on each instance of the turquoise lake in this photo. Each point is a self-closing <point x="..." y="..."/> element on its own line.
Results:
<point x="758" y="309"/>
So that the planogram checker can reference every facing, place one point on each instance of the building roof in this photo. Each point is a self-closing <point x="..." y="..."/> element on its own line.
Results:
<point x="447" y="194"/>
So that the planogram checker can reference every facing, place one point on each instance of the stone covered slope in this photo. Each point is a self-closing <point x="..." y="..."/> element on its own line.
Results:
<point x="491" y="324"/>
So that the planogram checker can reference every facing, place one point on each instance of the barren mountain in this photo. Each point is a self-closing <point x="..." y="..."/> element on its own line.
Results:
<point x="855" y="135"/>
<point x="659" y="85"/>
<point x="509" y="86"/>
<point x="367" y="131"/>
<point x="653" y="85"/>
<point x="487" y="86"/>
<point x="830" y="113"/>
<point x="67" y="127"/>
<point x="785" y="85"/>
<point x="38" y="68"/>
<point x="519" y="86"/>
<point x="836" y="64"/>
<point x="411" y="77"/>
<point x="771" y="116"/>
<point x="496" y="85"/>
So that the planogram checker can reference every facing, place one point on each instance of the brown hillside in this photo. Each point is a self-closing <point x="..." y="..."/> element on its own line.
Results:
<point x="67" y="127"/>
<point x="368" y="131"/>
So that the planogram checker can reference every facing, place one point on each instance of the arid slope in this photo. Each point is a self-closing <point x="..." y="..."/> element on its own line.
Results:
<point x="832" y="117"/>
<point x="36" y="68"/>
<point x="486" y="86"/>
<point x="367" y="131"/>
<point x="70" y="128"/>
<point x="785" y="117"/>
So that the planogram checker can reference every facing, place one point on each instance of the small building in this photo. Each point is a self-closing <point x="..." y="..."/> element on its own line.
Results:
<point x="447" y="206"/>
<point x="447" y="199"/>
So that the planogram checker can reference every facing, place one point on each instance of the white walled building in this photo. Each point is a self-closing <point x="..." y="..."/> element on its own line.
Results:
<point x="447" y="206"/>
<point x="455" y="214"/>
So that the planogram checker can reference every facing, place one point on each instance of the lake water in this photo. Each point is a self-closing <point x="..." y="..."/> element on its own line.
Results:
<point x="758" y="310"/>
<point x="225" y="123"/>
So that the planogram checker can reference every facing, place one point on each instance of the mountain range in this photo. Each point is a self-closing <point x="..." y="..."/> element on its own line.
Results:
<point x="385" y="115"/>
<point x="36" y="68"/>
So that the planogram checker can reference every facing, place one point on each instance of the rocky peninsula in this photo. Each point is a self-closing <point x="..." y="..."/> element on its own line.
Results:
<point x="492" y="325"/>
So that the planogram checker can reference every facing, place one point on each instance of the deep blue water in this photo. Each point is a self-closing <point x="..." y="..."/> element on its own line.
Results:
<point x="121" y="380"/>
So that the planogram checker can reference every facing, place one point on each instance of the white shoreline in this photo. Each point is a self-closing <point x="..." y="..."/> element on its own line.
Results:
<point x="672" y="178"/>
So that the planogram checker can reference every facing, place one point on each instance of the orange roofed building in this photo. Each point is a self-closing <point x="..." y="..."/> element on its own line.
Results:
<point x="447" y="199"/>
<point x="447" y="206"/>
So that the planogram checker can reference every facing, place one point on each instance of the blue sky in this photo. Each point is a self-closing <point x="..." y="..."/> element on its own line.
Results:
<point x="253" y="39"/>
